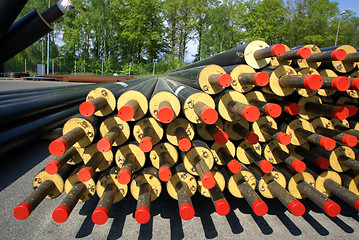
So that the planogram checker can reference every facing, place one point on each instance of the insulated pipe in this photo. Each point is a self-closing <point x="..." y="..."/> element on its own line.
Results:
<point x="31" y="28"/>
<point x="45" y="186"/>
<point x="163" y="157"/>
<point x="243" y="54"/>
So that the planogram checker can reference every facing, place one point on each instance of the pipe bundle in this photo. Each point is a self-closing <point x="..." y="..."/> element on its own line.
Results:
<point x="261" y="121"/>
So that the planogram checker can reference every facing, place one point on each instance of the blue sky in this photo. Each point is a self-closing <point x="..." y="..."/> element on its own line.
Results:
<point x="348" y="5"/>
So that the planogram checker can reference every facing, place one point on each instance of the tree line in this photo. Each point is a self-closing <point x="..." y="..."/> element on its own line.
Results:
<point x="107" y="36"/>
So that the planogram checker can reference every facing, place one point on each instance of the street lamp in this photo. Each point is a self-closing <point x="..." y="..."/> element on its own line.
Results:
<point x="336" y="38"/>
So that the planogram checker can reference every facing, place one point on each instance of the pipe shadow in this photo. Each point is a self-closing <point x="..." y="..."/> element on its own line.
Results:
<point x="87" y="209"/>
<point x="204" y="208"/>
<point x="262" y="224"/>
<point x="345" y="227"/>
<point x="289" y="224"/>
<point x="315" y="224"/>
<point x="234" y="222"/>
<point x="146" y="230"/>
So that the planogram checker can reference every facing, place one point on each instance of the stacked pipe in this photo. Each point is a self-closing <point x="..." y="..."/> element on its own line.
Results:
<point x="262" y="121"/>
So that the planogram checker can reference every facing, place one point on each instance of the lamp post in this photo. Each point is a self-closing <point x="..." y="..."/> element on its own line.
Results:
<point x="336" y="38"/>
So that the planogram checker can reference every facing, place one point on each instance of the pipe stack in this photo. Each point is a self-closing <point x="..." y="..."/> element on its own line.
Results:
<point x="261" y="121"/>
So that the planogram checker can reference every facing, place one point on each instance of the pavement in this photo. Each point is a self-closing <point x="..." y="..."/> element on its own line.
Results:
<point x="18" y="170"/>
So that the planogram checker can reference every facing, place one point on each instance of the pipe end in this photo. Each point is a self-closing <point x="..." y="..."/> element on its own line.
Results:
<point x="104" y="145"/>
<point x="22" y="211"/>
<point x="146" y="144"/>
<point x="225" y="80"/>
<point x="265" y="166"/>
<point x="184" y="144"/>
<point x="340" y="112"/>
<point x="222" y="207"/>
<point x="299" y="166"/>
<point x="58" y="147"/>
<point x="209" y="115"/>
<point x="220" y="137"/>
<point x="274" y="110"/>
<point x="166" y="115"/>
<point x="313" y="82"/>
<point x="277" y="50"/>
<point x="142" y="215"/>
<point x="234" y="166"/>
<point x="284" y="138"/>
<point x="208" y="180"/>
<point x="327" y="143"/>
<point x="87" y="108"/>
<point x="331" y="208"/>
<point x="100" y="215"/>
<point x="292" y="109"/>
<point x="261" y="79"/>
<point x="304" y="53"/>
<point x="350" y="140"/>
<point x="252" y="138"/>
<point x="124" y="176"/>
<point x="353" y="110"/>
<point x="355" y="84"/>
<point x="296" y="208"/>
<point x="85" y="174"/>
<point x="52" y="167"/>
<point x="186" y="211"/>
<point x="341" y="83"/>
<point x="259" y="207"/>
<point x="61" y="213"/>
<point x="338" y="55"/>
<point x="165" y="174"/>
<point x="126" y="113"/>
<point x="251" y="113"/>
<point x="322" y="162"/>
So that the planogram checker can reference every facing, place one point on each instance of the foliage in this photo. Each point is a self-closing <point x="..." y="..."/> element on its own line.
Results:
<point x="106" y="36"/>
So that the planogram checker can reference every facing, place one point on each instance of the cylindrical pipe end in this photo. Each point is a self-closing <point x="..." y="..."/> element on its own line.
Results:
<point x="331" y="208"/>
<point x="284" y="138"/>
<point x="234" y="166"/>
<point x="142" y="215"/>
<point x="277" y="50"/>
<point x="274" y="110"/>
<point x="251" y="113"/>
<point x="353" y="110"/>
<point x="222" y="207"/>
<point x="225" y="80"/>
<point x="327" y="143"/>
<point x="165" y="173"/>
<point x="355" y="84"/>
<point x="220" y="137"/>
<point x="184" y="144"/>
<point x="124" y="176"/>
<point x="87" y="108"/>
<point x="252" y="138"/>
<point x="104" y="145"/>
<point x="22" y="211"/>
<point x="259" y="207"/>
<point x="146" y="144"/>
<point x="350" y="140"/>
<point x="322" y="162"/>
<point x="186" y="211"/>
<point x="299" y="166"/>
<point x="126" y="113"/>
<point x="296" y="208"/>
<point x="303" y="53"/>
<point x="85" y="174"/>
<point x="58" y="147"/>
<point x="261" y="79"/>
<point x="341" y="83"/>
<point x="208" y="180"/>
<point x="292" y="109"/>
<point x="61" y="213"/>
<point x="52" y="167"/>
<point x="340" y="112"/>
<point x="166" y="114"/>
<point x="338" y="55"/>
<point x="265" y="166"/>
<point x="313" y="82"/>
<point x="209" y="115"/>
<point x="100" y="215"/>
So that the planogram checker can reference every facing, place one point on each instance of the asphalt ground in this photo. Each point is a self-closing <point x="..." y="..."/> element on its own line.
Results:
<point x="18" y="170"/>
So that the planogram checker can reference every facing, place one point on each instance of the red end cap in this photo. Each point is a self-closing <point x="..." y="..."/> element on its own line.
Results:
<point x="22" y="211"/>
<point x="100" y="215"/>
<point x="353" y="110"/>
<point x="355" y="84"/>
<point x="225" y="80"/>
<point x="350" y="140"/>
<point x="104" y="145"/>
<point x="61" y="213"/>
<point x="146" y="144"/>
<point x="304" y="53"/>
<point x="221" y="137"/>
<point x="186" y="211"/>
<point x="124" y="176"/>
<point x="296" y="208"/>
<point x="341" y="83"/>
<point x="184" y="144"/>
<point x="166" y="114"/>
<point x="208" y="180"/>
<point x="261" y="79"/>
<point x="142" y="214"/>
<point x="234" y="166"/>
<point x="277" y="50"/>
<point x="222" y="207"/>
<point x="327" y="143"/>
<point x="126" y="113"/>
<point x="87" y="108"/>
<point x="313" y="82"/>
<point x="322" y="162"/>
<point x="209" y="115"/>
<point x="165" y="174"/>
<point x="331" y="208"/>
<point x="251" y="113"/>
<point x="284" y="138"/>
<point x="259" y="207"/>
<point x="356" y="204"/>
<point x="292" y="109"/>
<point x="299" y="166"/>
<point x="85" y="174"/>
<point x="338" y="55"/>
<point x="274" y="110"/>
<point x="52" y="167"/>
<point x="340" y="113"/>
<point x="265" y="166"/>
<point x="252" y="138"/>
<point x="58" y="147"/>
